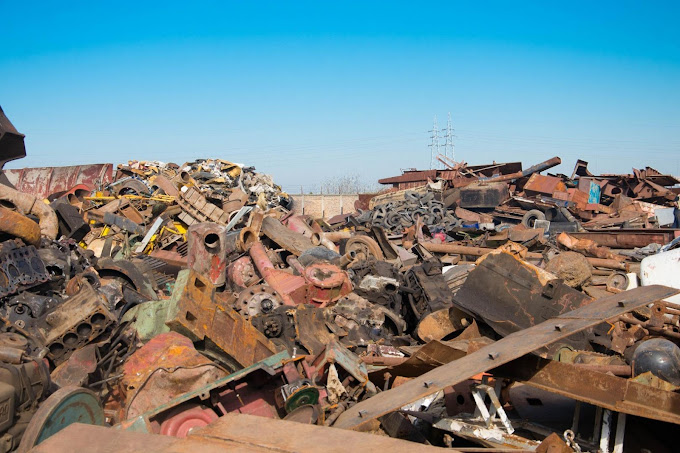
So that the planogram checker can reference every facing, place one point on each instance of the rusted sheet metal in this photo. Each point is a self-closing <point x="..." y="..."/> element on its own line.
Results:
<point x="167" y="366"/>
<point x="77" y="368"/>
<point x="237" y="433"/>
<point x="629" y="238"/>
<point x="513" y="346"/>
<point x="510" y="295"/>
<point x="44" y="181"/>
<point x="603" y="390"/>
<point x="197" y="314"/>
<point x="547" y="185"/>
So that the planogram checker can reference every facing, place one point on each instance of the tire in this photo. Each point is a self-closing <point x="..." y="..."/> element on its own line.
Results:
<point x="531" y="217"/>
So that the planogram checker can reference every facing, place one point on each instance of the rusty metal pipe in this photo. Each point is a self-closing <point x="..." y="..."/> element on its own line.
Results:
<point x="267" y="270"/>
<point x="466" y="250"/>
<point x="607" y="263"/>
<point x="616" y="370"/>
<point x="333" y="236"/>
<point x="299" y="226"/>
<point x="295" y="264"/>
<point x="383" y="361"/>
<point x="320" y="239"/>
<point x="49" y="225"/>
<point x="16" y="224"/>
<point x="550" y="163"/>
<point x="480" y="251"/>
<point x="603" y="272"/>
<point x="246" y="238"/>
<point x="346" y="259"/>
<point x="262" y="262"/>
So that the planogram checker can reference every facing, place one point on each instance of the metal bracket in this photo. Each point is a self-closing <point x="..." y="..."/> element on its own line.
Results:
<point x="488" y="414"/>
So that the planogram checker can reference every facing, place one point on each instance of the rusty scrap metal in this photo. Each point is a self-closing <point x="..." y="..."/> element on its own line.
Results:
<point x="196" y="312"/>
<point x="29" y="204"/>
<point x="231" y="431"/>
<point x="45" y="181"/>
<point x="16" y="224"/>
<point x="593" y="386"/>
<point x="509" y="348"/>
<point x="510" y="295"/>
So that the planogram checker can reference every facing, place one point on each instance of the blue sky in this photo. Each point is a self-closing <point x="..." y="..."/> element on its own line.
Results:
<point x="307" y="91"/>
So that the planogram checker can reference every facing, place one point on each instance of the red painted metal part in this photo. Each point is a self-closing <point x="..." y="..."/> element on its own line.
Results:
<point x="320" y="284"/>
<point x="299" y="225"/>
<point x="44" y="181"/>
<point x="241" y="273"/>
<point x="186" y="419"/>
<point x="207" y="251"/>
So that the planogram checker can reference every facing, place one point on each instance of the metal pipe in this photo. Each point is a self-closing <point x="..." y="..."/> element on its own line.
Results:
<point x="607" y="263"/>
<point x="617" y="370"/>
<point x="333" y="236"/>
<point x="606" y="431"/>
<point x="383" y="361"/>
<point x="261" y="259"/>
<point x="267" y="270"/>
<point x="299" y="226"/>
<point x="620" y="433"/>
<point x="466" y="250"/>
<point x="346" y="259"/>
<point x="17" y="224"/>
<point x="49" y="225"/>
<point x="295" y="264"/>
<point x="550" y="163"/>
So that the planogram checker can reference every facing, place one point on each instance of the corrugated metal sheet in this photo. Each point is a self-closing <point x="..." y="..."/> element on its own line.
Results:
<point x="45" y="181"/>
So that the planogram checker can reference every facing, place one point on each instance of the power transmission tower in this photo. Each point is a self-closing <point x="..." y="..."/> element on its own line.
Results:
<point x="448" y="144"/>
<point x="434" y="151"/>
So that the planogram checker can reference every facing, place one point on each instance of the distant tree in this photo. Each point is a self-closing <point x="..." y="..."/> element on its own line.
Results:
<point x="348" y="184"/>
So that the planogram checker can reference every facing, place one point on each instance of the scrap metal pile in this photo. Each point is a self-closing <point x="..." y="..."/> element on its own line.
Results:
<point x="177" y="301"/>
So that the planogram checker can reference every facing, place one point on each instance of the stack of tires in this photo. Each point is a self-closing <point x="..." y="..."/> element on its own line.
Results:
<point x="397" y="215"/>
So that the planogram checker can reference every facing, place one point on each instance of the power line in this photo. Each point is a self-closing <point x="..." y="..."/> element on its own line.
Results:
<point x="448" y="144"/>
<point x="434" y="151"/>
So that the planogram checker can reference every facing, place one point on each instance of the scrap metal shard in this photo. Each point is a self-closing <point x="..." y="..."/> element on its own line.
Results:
<point x="510" y="295"/>
<point x="236" y="433"/>
<point x="196" y="313"/>
<point x="600" y="389"/>
<point x="513" y="346"/>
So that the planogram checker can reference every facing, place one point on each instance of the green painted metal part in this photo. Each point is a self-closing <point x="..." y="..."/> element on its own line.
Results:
<point x="304" y="396"/>
<point x="64" y="407"/>
<point x="150" y="317"/>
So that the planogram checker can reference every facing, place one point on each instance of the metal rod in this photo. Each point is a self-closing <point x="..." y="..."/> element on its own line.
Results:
<point x="576" y="419"/>
<point x="606" y="431"/>
<point x="620" y="433"/>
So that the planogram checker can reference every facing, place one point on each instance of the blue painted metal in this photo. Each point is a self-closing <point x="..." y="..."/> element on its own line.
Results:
<point x="594" y="193"/>
<point x="64" y="407"/>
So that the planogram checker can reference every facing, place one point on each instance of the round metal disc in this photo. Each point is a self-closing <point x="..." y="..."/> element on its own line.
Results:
<point x="258" y="299"/>
<point x="64" y="407"/>
<point x="307" y="414"/>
